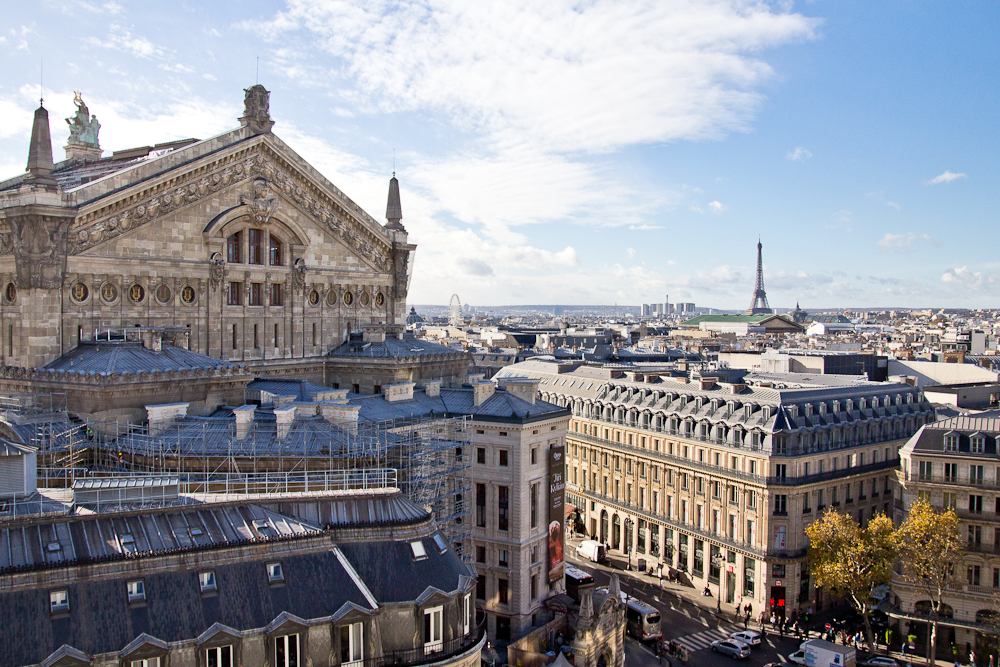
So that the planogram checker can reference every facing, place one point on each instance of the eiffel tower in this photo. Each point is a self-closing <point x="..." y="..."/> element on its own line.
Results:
<point x="758" y="306"/>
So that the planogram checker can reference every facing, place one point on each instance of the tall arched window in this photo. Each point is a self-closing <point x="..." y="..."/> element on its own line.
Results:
<point x="234" y="247"/>
<point x="275" y="252"/>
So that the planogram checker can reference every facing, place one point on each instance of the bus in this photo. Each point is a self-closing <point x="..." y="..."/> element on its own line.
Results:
<point x="642" y="620"/>
<point x="576" y="581"/>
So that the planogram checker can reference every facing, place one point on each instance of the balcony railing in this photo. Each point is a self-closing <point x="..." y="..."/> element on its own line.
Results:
<point x="419" y="656"/>
<point x="917" y="478"/>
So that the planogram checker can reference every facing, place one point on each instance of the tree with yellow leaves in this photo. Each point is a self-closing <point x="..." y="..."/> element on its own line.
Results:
<point x="852" y="561"/>
<point x="930" y="545"/>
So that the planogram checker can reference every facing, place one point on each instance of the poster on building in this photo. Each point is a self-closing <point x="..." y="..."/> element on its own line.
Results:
<point x="557" y="514"/>
<point x="779" y="537"/>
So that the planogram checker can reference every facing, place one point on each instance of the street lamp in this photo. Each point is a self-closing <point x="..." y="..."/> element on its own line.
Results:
<point x="718" y="562"/>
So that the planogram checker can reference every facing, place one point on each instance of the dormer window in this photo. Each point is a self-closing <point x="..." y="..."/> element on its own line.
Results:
<point x="808" y="409"/>
<point x="275" y="573"/>
<point x="59" y="601"/>
<point x="206" y="581"/>
<point x="951" y="442"/>
<point x="419" y="553"/>
<point x="977" y="444"/>
<point x="128" y="543"/>
<point x="136" y="591"/>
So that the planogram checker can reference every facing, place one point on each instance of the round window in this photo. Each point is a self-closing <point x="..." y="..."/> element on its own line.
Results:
<point x="187" y="294"/>
<point x="79" y="292"/>
<point x="313" y="298"/>
<point x="109" y="292"/>
<point x="379" y="299"/>
<point x="136" y="293"/>
<point x="348" y="298"/>
<point x="365" y="298"/>
<point x="162" y="293"/>
<point x="11" y="292"/>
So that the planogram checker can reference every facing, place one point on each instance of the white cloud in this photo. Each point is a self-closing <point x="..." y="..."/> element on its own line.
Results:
<point x="631" y="252"/>
<point x="121" y="39"/>
<point x="902" y="242"/>
<point x="964" y="279"/>
<point x="799" y="153"/>
<point x="645" y="228"/>
<point x="717" y="207"/>
<point x="644" y="73"/>
<point x="946" y="177"/>
<point x="696" y="209"/>
<point x="893" y="205"/>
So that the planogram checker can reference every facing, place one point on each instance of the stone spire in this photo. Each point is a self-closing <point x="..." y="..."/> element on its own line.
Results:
<point x="394" y="210"/>
<point x="40" y="164"/>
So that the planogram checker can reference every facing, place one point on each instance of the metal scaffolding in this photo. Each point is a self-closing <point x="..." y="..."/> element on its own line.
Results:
<point x="432" y="454"/>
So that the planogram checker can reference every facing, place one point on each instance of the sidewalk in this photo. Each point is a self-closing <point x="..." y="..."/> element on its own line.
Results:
<point x="725" y="612"/>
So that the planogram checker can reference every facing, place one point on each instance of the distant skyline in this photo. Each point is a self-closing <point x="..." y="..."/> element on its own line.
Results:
<point x="609" y="152"/>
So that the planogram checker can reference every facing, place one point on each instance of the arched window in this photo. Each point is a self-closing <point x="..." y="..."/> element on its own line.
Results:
<point x="234" y="248"/>
<point x="275" y="252"/>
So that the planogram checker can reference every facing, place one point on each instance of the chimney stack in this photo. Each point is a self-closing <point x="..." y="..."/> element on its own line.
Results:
<point x="284" y="417"/>
<point x="159" y="417"/>
<point x="481" y="391"/>
<point x="244" y="420"/>
<point x="523" y="388"/>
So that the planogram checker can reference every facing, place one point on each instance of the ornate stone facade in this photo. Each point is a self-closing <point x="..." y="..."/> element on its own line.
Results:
<point x="236" y="238"/>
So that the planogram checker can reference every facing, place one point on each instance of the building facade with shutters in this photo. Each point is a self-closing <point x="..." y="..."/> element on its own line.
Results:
<point x="953" y="464"/>
<point x="716" y="478"/>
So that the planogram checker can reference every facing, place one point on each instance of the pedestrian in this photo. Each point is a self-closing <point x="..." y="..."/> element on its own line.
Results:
<point x="763" y="635"/>
<point x="749" y="608"/>
<point x="746" y="624"/>
<point x="972" y="657"/>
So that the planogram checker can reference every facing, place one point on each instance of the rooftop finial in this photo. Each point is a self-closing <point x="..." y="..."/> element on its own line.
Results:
<point x="394" y="209"/>
<point x="257" y="109"/>
<point x="40" y="163"/>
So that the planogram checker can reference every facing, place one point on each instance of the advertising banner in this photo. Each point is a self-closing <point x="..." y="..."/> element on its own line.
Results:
<point x="557" y="512"/>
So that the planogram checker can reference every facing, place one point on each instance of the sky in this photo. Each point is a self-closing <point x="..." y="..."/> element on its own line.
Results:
<point x="586" y="152"/>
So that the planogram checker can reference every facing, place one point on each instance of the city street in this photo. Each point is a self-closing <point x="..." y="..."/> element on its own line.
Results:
<point x="683" y="621"/>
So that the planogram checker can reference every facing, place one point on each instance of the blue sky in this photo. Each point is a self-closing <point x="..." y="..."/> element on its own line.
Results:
<point x="585" y="152"/>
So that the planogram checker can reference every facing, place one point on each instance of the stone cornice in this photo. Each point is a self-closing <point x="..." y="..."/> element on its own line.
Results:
<point x="94" y="378"/>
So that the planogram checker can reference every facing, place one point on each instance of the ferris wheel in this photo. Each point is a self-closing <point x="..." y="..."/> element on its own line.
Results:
<point x="455" y="318"/>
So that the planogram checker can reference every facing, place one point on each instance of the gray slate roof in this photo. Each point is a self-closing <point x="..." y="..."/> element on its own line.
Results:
<point x="451" y="402"/>
<point x="392" y="348"/>
<point x="117" y="357"/>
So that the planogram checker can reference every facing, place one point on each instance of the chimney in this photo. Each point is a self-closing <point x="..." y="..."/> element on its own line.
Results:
<point x="284" y="418"/>
<point x="707" y="383"/>
<point x="40" y="164"/>
<point x="244" y="420"/>
<point x="481" y="392"/>
<point x="474" y="378"/>
<point x="159" y="417"/>
<point x="402" y="391"/>
<point x="523" y="388"/>
<point x="432" y="387"/>
<point x="342" y="415"/>
<point x="737" y="387"/>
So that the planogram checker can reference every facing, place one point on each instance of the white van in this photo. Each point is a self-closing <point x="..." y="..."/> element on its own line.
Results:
<point x="592" y="550"/>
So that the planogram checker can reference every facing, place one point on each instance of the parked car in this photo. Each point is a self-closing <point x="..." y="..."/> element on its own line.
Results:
<point x="879" y="620"/>
<point x="592" y="550"/>
<point x="749" y="637"/>
<point x="799" y="657"/>
<point x="731" y="647"/>
<point x="880" y="661"/>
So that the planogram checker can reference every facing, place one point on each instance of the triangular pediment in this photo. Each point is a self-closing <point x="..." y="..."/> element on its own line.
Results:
<point x="144" y="643"/>
<point x="217" y="632"/>
<point x="261" y="175"/>
<point x="66" y="656"/>
<point x="286" y="622"/>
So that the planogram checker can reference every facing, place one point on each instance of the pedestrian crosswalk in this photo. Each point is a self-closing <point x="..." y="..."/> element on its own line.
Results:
<point x="702" y="640"/>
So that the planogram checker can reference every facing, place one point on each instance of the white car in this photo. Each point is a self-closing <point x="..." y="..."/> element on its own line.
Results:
<point x="747" y="637"/>
<point x="799" y="657"/>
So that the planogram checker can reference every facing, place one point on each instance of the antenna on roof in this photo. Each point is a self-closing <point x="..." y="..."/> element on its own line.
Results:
<point x="393" y="162"/>
<point x="257" y="72"/>
<point x="41" y="81"/>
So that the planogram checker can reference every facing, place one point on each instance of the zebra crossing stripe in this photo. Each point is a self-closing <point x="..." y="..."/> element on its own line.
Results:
<point x="702" y="640"/>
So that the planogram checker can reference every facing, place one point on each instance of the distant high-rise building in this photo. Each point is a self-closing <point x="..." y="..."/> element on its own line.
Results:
<point x="645" y="310"/>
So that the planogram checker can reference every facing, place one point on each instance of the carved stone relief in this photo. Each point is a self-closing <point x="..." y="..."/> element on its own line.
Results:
<point x="39" y="244"/>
